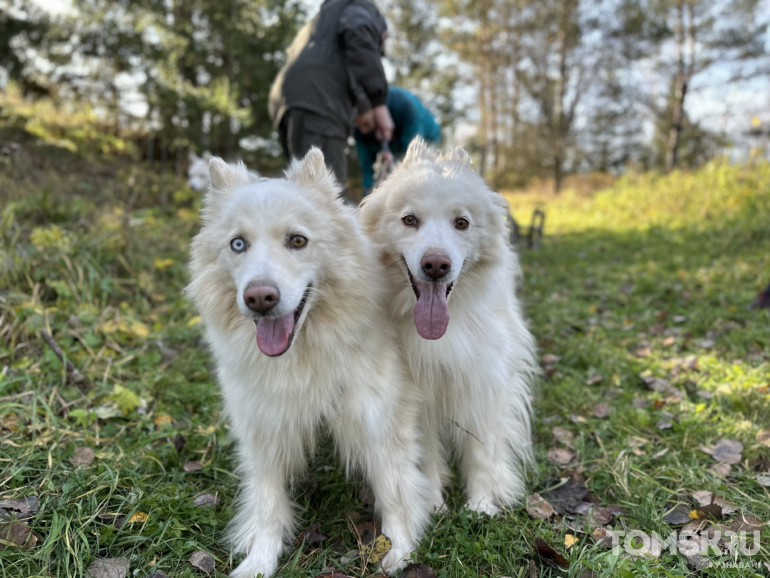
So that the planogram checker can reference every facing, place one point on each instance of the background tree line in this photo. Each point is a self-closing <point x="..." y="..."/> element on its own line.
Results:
<point x="544" y="88"/>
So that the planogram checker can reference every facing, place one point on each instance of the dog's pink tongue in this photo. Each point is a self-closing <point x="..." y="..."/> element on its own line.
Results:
<point x="431" y="314"/>
<point x="273" y="333"/>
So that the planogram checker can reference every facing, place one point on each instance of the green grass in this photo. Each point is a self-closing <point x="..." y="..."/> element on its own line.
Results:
<point x="89" y="253"/>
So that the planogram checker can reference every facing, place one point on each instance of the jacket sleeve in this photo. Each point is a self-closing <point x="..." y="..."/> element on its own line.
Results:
<point x="361" y="38"/>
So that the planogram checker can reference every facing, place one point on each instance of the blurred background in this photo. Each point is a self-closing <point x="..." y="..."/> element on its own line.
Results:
<point x="537" y="90"/>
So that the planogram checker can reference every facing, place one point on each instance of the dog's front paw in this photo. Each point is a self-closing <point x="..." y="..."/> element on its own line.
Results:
<point x="254" y="565"/>
<point x="398" y="557"/>
<point x="483" y="506"/>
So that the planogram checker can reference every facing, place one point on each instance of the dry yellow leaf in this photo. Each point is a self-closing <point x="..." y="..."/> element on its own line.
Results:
<point x="373" y="553"/>
<point x="570" y="540"/>
<point x="137" y="517"/>
<point x="194" y="321"/>
<point x="162" y="419"/>
<point x="140" y="329"/>
<point x="161" y="264"/>
<point x="694" y="514"/>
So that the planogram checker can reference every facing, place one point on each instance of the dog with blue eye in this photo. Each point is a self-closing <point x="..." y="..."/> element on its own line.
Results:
<point x="290" y="291"/>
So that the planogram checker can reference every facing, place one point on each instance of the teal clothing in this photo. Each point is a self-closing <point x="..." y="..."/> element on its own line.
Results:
<point x="410" y="118"/>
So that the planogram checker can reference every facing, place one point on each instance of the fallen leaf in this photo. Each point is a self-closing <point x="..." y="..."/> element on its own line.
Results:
<point x="569" y="540"/>
<point x="16" y="534"/>
<point x="746" y="523"/>
<point x="563" y="435"/>
<point x="691" y="550"/>
<point x="549" y="555"/>
<point x="593" y="514"/>
<point x="679" y="318"/>
<point x="349" y="557"/>
<point x="567" y="497"/>
<point x="727" y="451"/>
<point x="550" y="359"/>
<point x="721" y="469"/>
<point x="577" y="419"/>
<point x="660" y="453"/>
<point x="694" y="526"/>
<point x="708" y="499"/>
<point x="179" y="442"/>
<point x="203" y="561"/>
<point x="662" y="424"/>
<point x="366" y="496"/>
<point x="601" y="411"/>
<point x="206" y="500"/>
<point x="669" y="341"/>
<point x="560" y="456"/>
<point x="763" y="480"/>
<point x="532" y="569"/>
<point x="84" y="456"/>
<point x="643" y="352"/>
<point x="639" y="452"/>
<point x="193" y="466"/>
<point x="763" y="437"/>
<point x="594" y="379"/>
<point x="140" y="517"/>
<point x="313" y="535"/>
<point x="21" y="509"/>
<point x="367" y="530"/>
<point x="617" y="510"/>
<point x="162" y="419"/>
<point x="373" y="553"/>
<point x="108" y="568"/>
<point x="538" y="508"/>
<point x="418" y="571"/>
<point x="678" y="516"/>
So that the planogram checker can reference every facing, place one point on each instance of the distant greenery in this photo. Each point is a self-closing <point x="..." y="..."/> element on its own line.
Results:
<point x="93" y="249"/>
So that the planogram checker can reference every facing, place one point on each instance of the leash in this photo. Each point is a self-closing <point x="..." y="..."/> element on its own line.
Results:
<point x="384" y="164"/>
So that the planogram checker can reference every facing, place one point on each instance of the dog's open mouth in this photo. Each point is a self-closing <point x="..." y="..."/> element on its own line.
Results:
<point x="431" y="313"/>
<point x="275" y="334"/>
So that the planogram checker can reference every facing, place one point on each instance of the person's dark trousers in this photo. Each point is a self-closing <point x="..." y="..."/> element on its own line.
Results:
<point x="300" y="130"/>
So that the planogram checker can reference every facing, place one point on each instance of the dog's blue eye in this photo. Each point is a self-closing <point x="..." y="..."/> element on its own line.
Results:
<point x="238" y="245"/>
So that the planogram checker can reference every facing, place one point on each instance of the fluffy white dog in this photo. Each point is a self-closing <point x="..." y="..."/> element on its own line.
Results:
<point x="289" y="289"/>
<point x="443" y="241"/>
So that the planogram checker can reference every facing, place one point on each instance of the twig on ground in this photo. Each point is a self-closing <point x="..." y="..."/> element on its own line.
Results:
<point x="17" y="396"/>
<point x="75" y="375"/>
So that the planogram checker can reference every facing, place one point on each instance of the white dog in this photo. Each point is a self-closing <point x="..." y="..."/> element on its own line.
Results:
<point x="443" y="241"/>
<point x="198" y="172"/>
<point x="289" y="289"/>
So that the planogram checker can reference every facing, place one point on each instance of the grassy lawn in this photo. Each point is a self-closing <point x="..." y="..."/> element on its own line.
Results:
<point x="648" y="279"/>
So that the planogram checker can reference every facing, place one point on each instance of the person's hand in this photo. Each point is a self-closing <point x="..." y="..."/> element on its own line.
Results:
<point x="384" y="122"/>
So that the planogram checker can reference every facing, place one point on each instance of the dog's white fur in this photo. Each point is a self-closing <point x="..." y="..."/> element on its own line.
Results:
<point x="198" y="177"/>
<point x="342" y="370"/>
<point x="476" y="378"/>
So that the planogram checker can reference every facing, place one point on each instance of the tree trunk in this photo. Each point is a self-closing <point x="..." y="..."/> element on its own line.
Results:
<point x="680" y="85"/>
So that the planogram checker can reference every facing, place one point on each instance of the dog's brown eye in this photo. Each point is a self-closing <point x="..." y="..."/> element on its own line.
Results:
<point x="462" y="224"/>
<point x="410" y="220"/>
<point x="298" y="241"/>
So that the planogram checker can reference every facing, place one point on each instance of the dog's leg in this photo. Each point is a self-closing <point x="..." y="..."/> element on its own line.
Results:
<point x="265" y="516"/>
<point x="494" y="458"/>
<point x="434" y="463"/>
<point x="382" y="437"/>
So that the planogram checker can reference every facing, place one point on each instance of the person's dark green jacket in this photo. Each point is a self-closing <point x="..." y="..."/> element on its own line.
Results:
<point x="410" y="117"/>
<point x="335" y="54"/>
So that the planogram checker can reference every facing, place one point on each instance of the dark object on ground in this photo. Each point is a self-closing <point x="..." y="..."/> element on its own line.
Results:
<point x="533" y="234"/>
<point x="762" y="301"/>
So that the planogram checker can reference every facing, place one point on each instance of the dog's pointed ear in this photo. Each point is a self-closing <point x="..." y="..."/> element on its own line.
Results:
<point x="223" y="179"/>
<point x="418" y="150"/>
<point x="460" y="156"/>
<point x="311" y="172"/>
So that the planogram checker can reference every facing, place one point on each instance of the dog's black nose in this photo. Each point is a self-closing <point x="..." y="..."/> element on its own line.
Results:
<point x="261" y="298"/>
<point x="435" y="265"/>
